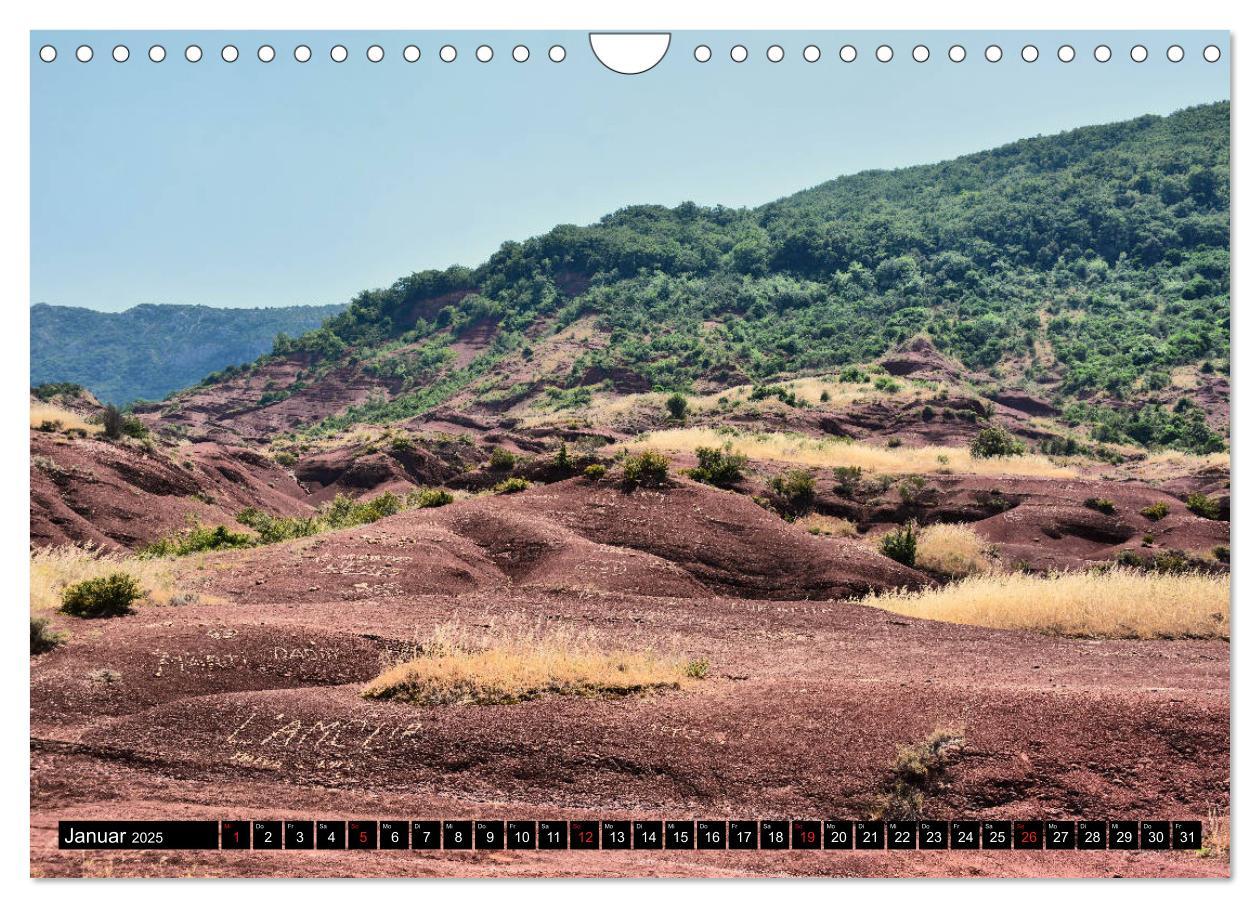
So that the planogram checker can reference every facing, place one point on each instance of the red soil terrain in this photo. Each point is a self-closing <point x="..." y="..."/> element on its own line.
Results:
<point x="247" y="705"/>
<point x="245" y="702"/>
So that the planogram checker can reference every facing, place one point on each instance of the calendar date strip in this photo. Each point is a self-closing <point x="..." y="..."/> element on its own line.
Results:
<point x="638" y="835"/>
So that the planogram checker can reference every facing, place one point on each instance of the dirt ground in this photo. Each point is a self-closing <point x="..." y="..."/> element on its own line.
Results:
<point x="251" y="710"/>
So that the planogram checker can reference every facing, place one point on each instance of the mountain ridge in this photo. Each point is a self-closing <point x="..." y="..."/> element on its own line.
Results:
<point x="137" y="353"/>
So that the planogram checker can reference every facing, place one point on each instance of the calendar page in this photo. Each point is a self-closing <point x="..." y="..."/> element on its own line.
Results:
<point x="630" y="454"/>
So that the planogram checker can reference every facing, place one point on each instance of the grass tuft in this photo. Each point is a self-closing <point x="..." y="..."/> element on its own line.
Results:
<point x="953" y="549"/>
<point x="518" y="662"/>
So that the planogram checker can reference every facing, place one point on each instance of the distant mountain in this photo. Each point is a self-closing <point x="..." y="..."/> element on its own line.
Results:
<point x="1091" y="267"/>
<point x="149" y="351"/>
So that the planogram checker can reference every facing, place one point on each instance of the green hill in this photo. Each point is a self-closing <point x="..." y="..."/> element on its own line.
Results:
<point x="149" y="351"/>
<point x="1088" y="265"/>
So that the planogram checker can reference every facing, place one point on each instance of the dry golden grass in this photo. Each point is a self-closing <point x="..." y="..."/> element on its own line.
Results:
<point x="831" y="452"/>
<point x="66" y="420"/>
<point x="521" y="661"/>
<point x="1215" y="836"/>
<point x="954" y="549"/>
<point x="1119" y="602"/>
<point x="823" y="525"/>
<point x="55" y="568"/>
<point x="605" y="407"/>
<point x="1181" y="462"/>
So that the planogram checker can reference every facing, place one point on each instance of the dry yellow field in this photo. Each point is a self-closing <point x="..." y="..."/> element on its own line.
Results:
<point x="828" y="452"/>
<point x="44" y="414"/>
<point x="1119" y="602"/>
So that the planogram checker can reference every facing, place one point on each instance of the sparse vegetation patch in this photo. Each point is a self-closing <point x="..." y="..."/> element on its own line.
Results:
<point x="917" y="770"/>
<point x="806" y="451"/>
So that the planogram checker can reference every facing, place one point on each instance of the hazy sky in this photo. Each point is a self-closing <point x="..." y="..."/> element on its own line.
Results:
<point x="251" y="184"/>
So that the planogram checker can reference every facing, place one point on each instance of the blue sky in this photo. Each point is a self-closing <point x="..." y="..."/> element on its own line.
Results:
<point x="251" y="184"/>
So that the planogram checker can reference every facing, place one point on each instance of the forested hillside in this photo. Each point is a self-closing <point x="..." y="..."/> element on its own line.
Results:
<point x="149" y="351"/>
<point x="1091" y="266"/>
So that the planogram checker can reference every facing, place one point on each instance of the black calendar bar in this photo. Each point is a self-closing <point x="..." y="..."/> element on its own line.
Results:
<point x="637" y="834"/>
<point x="117" y="835"/>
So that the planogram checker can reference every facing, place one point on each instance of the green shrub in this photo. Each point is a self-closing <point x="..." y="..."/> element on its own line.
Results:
<point x="43" y="639"/>
<point x="650" y="468"/>
<point x="848" y="480"/>
<point x="511" y="485"/>
<point x="402" y="444"/>
<point x="912" y="489"/>
<point x="277" y="529"/>
<point x="285" y="458"/>
<point x="887" y="385"/>
<point x="343" y="512"/>
<point x="1221" y="554"/>
<point x="429" y="498"/>
<point x="994" y="441"/>
<point x="133" y="428"/>
<point x="1060" y="446"/>
<point x="825" y="397"/>
<point x="676" y="404"/>
<point x="501" y="460"/>
<point x="900" y="545"/>
<point x="1101" y="505"/>
<point x="595" y="472"/>
<point x="929" y="413"/>
<point x="1200" y="504"/>
<point x="718" y="467"/>
<point x="1173" y="562"/>
<point x="102" y="597"/>
<point x="1156" y="511"/>
<point x="198" y="538"/>
<point x="562" y="459"/>
<point x="698" y="669"/>
<point x="795" y="489"/>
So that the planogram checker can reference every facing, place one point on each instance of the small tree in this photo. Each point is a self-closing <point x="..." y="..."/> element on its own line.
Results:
<point x="501" y="460"/>
<point x="676" y="404"/>
<point x="796" y="491"/>
<point x="113" y="422"/>
<point x="900" y="545"/>
<point x="994" y="441"/>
